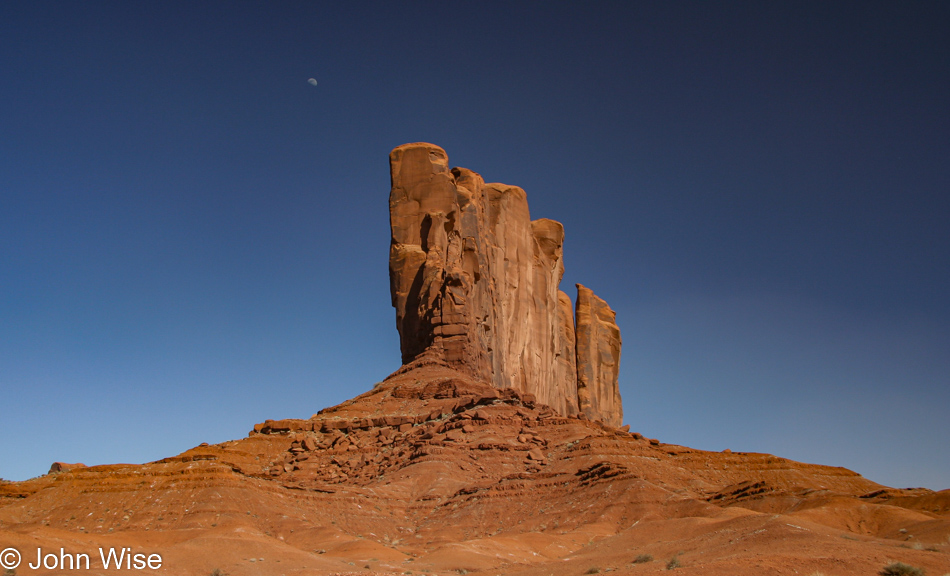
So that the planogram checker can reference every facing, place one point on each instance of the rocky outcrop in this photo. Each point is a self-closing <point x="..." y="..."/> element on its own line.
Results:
<point x="475" y="285"/>
<point x="58" y="467"/>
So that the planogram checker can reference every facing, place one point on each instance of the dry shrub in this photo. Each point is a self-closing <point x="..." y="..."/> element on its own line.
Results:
<point x="642" y="559"/>
<point x="901" y="569"/>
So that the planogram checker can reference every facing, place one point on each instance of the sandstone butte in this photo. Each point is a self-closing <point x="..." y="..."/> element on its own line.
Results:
<point x="494" y="449"/>
<point x="475" y="285"/>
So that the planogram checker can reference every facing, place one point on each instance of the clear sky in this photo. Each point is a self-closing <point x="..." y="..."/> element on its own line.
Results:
<point x="193" y="238"/>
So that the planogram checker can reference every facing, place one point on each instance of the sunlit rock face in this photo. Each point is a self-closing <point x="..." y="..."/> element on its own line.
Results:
<point x="598" y="358"/>
<point x="475" y="285"/>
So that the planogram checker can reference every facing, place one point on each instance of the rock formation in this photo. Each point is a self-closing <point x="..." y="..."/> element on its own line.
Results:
<point x="475" y="285"/>
<point x="63" y="467"/>
<point x="459" y="462"/>
<point x="598" y="357"/>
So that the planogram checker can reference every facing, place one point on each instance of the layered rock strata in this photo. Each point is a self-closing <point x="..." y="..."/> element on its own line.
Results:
<point x="475" y="285"/>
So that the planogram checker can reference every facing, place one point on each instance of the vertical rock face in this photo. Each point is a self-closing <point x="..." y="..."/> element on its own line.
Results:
<point x="475" y="285"/>
<point x="598" y="358"/>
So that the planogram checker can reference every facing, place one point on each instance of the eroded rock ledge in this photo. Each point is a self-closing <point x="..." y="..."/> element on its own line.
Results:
<point x="475" y="285"/>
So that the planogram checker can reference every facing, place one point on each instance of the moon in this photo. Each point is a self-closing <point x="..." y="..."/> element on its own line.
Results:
<point x="312" y="81"/>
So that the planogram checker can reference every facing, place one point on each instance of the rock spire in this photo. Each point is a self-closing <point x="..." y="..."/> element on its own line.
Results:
<point x="475" y="285"/>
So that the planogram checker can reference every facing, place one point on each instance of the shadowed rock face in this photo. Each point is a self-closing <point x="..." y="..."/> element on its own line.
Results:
<point x="475" y="285"/>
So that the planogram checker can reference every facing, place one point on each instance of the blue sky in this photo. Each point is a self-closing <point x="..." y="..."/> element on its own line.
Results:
<point x="194" y="239"/>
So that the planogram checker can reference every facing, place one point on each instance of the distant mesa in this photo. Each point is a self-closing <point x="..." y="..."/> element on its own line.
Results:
<point x="475" y="285"/>
<point x="63" y="467"/>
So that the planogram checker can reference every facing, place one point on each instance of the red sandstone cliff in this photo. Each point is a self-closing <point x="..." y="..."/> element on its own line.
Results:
<point x="475" y="285"/>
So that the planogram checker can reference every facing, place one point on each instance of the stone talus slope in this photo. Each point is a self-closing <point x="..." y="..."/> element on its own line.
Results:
<point x="475" y="285"/>
<point x="434" y="471"/>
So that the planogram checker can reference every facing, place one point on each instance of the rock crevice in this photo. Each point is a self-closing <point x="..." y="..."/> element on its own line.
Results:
<point x="475" y="285"/>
